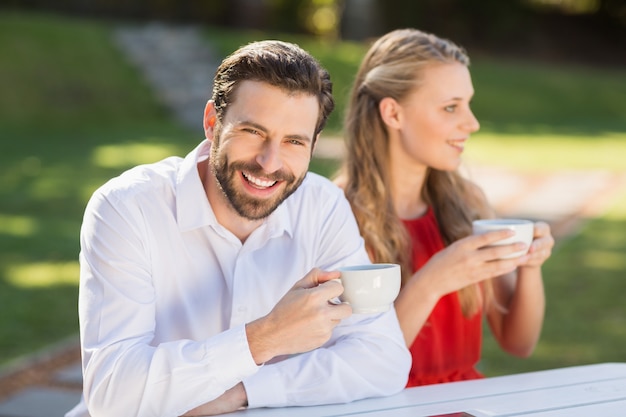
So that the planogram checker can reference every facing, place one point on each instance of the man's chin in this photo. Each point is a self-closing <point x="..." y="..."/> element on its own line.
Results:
<point x="260" y="208"/>
<point x="253" y="211"/>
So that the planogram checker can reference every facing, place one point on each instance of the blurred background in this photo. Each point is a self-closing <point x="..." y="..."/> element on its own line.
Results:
<point x="89" y="88"/>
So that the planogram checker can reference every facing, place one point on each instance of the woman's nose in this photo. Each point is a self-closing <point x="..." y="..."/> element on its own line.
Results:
<point x="472" y="123"/>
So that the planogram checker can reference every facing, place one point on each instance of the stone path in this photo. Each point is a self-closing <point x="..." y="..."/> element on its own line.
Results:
<point x="179" y="65"/>
<point x="45" y="384"/>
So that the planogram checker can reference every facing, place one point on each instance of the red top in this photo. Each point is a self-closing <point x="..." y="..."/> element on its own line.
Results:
<point x="448" y="346"/>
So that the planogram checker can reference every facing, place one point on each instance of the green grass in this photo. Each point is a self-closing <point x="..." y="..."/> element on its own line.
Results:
<point x="585" y="312"/>
<point x="73" y="114"/>
<point x="548" y="118"/>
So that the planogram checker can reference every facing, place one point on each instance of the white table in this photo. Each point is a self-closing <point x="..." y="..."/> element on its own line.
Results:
<point x="580" y="391"/>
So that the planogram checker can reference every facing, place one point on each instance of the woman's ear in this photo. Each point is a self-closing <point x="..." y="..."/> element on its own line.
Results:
<point x="209" y="119"/>
<point x="390" y="112"/>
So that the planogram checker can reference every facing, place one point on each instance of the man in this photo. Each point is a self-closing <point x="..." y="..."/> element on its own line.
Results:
<point x="205" y="281"/>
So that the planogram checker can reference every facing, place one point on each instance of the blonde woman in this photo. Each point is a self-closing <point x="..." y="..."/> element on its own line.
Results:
<point x="406" y="126"/>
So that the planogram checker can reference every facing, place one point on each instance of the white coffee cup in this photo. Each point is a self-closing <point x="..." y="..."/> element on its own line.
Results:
<point x="524" y="230"/>
<point x="370" y="288"/>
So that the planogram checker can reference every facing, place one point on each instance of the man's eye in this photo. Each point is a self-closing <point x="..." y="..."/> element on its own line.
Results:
<point x="451" y="108"/>
<point x="296" y="142"/>
<point x="252" y="131"/>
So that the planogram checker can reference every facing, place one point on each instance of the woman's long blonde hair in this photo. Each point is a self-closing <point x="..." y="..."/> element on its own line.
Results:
<point x="392" y="68"/>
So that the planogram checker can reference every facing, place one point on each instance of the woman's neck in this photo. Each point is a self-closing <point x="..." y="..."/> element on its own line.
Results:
<point x="407" y="180"/>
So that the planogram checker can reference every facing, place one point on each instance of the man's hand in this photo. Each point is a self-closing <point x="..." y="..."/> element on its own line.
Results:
<point x="301" y="321"/>
<point x="231" y="400"/>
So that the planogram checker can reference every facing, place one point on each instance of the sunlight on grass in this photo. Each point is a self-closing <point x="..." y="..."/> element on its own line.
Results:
<point x="19" y="226"/>
<point x="125" y="155"/>
<point x="606" y="260"/>
<point x="43" y="274"/>
<point x="614" y="326"/>
<point x="57" y="182"/>
<point x="545" y="151"/>
<point x="566" y="352"/>
<point x="617" y="210"/>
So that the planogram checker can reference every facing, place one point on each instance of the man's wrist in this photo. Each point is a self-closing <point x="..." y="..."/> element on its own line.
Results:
<point x="258" y="345"/>
<point x="243" y="395"/>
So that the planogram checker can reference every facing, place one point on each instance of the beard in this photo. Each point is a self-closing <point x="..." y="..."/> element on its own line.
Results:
<point x="228" y="176"/>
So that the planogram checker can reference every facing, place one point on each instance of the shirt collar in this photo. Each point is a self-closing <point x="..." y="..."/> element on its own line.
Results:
<point x="193" y="208"/>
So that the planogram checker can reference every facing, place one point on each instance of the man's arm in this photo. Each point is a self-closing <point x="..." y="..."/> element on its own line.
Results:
<point x="232" y="400"/>
<point x="124" y="372"/>
<point x="366" y="355"/>
<point x="301" y="321"/>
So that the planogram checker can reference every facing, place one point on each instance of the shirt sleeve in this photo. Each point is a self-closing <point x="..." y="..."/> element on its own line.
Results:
<point x="124" y="374"/>
<point x="366" y="355"/>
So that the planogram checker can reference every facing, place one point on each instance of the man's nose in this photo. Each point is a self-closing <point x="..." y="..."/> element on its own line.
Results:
<point x="269" y="158"/>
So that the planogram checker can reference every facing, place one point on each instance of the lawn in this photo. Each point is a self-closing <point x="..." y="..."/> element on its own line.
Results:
<point x="585" y="312"/>
<point x="74" y="113"/>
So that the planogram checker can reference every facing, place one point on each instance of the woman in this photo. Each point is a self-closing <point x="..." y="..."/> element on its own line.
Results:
<point x="407" y="123"/>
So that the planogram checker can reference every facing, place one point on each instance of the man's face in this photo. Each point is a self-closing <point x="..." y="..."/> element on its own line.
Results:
<point x="264" y="147"/>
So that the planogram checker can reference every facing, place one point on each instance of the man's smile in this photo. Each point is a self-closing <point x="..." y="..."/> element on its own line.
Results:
<point x="258" y="182"/>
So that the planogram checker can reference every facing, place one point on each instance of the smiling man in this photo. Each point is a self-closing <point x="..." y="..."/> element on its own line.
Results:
<point x="205" y="280"/>
<point x="274" y="143"/>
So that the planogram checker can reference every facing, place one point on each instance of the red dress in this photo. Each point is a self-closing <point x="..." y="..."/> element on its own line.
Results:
<point x="448" y="346"/>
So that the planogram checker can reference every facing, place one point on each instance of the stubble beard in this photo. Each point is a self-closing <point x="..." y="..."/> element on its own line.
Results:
<point x="227" y="175"/>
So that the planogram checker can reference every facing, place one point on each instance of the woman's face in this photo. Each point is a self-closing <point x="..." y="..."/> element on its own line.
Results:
<point x="435" y="119"/>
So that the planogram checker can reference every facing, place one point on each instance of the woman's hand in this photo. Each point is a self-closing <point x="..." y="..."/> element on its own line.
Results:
<point x="471" y="260"/>
<point x="541" y="247"/>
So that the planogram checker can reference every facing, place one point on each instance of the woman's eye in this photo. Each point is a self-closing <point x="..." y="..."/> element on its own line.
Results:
<point x="450" y="108"/>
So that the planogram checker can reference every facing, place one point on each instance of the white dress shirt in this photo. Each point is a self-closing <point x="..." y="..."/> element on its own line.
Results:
<point x="165" y="292"/>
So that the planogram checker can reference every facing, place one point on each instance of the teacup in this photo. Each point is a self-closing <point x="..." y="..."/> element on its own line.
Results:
<point x="524" y="230"/>
<point x="370" y="288"/>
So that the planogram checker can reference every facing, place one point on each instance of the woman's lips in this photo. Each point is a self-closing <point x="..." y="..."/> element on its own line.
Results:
<point x="458" y="144"/>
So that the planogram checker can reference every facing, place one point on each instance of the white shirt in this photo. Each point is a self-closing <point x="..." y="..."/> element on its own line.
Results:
<point x="165" y="292"/>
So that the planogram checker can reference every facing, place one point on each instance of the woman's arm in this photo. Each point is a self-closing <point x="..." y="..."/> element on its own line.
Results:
<point x="467" y="261"/>
<point x="517" y="319"/>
